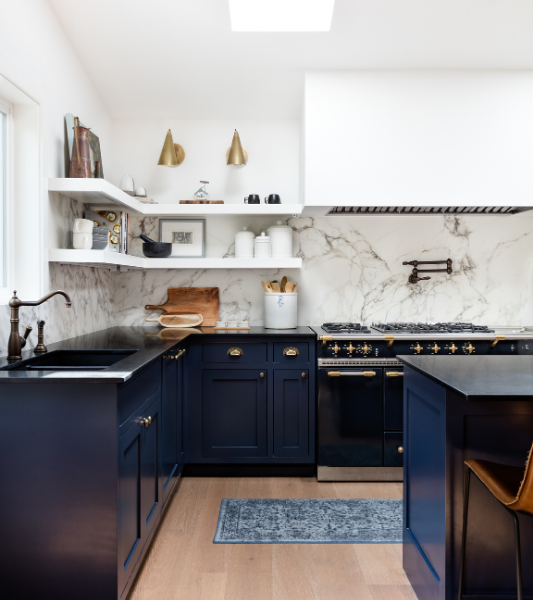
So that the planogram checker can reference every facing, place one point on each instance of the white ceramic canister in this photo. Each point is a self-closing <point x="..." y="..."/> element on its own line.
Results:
<point x="281" y="311"/>
<point x="280" y="240"/>
<point x="82" y="241"/>
<point x="244" y="243"/>
<point x="83" y="226"/>
<point x="262" y="246"/>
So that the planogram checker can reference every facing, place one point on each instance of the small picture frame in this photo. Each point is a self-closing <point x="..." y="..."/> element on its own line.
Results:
<point x="187" y="237"/>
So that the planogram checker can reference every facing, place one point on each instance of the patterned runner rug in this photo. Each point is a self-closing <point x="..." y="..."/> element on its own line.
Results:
<point x="320" y="521"/>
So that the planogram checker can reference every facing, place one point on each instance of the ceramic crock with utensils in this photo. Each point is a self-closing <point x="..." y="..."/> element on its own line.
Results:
<point x="153" y="249"/>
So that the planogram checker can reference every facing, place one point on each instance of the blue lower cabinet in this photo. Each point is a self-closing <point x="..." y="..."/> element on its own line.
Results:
<point x="140" y="486"/>
<point x="393" y="448"/>
<point x="291" y="413"/>
<point x="234" y="413"/>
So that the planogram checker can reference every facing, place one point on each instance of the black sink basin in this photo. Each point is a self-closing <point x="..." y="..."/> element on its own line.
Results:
<point x="73" y="360"/>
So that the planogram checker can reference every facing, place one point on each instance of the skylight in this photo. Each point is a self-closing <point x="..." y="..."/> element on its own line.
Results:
<point x="281" y="15"/>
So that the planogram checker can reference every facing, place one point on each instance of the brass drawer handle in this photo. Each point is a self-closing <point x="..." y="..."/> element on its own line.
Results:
<point x="235" y="352"/>
<point x="146" y="422"/>
<point x="394" y="374"/>
<point x="179" y="354"/>
<point x="291" y="351"/>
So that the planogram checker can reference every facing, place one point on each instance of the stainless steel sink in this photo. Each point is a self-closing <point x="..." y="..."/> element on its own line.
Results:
<point x="73" y="360"/>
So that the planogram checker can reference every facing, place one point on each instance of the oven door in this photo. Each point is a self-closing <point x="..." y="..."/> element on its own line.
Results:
<point x="350" y="417"/>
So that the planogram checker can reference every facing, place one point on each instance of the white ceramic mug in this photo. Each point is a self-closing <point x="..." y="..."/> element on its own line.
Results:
<point x="83" y="226"/>
<point x="82" y="241"/>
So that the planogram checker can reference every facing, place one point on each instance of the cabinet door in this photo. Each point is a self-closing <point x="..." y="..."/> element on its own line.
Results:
<point x="291" y="413"/>
<point x="393" y="399"/>
<point x="129" y="506"/>
<point x="234" y="413"/>
<point x="151" y="480"/>
<point x="139" y="487"/>
<point x="169" y="424"/>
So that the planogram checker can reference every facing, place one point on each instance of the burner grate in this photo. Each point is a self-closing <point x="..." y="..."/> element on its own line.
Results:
<point x="431" y="328"/>
<point x="345" y="328"/>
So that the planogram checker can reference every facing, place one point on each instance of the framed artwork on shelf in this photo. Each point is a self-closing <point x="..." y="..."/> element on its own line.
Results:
<point x="187" y="237"/>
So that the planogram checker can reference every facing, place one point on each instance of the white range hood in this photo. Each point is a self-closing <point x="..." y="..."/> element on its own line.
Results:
<point x="417" y="142"/>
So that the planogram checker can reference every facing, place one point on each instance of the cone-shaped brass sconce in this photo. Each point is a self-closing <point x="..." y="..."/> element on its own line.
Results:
<point x="236" y="156"/>
<point x="172" y="154"/>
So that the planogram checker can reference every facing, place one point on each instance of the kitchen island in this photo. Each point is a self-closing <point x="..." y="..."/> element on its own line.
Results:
<point x="456" y="410"/>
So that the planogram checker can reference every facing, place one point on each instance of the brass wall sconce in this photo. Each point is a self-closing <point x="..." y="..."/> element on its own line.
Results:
<point x="237" y="155"/>
<point x="172" y="154"/>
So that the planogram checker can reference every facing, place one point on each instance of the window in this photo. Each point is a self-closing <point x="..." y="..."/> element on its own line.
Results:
<point x="5" y="193"/>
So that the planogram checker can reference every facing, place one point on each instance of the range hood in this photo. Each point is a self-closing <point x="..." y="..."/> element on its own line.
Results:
<point x="343" y="211"/>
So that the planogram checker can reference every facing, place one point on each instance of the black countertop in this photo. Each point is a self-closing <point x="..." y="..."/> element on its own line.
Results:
<point x="487" y="377"/>
<point x="150" y="343"/>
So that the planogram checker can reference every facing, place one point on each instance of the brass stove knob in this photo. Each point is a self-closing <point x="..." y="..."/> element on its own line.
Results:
<point x="366" y="348"/>
<point x="351" y="348"/>
<point x="336" y="348"/>
<point x="418" y="348"/>
<point x="435" y="348"/>
<point x="469" y="348"/>
<point x="452" y="348"/>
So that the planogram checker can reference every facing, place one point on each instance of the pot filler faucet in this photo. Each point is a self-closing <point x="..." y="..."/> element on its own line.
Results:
<point x="16" y="341"/>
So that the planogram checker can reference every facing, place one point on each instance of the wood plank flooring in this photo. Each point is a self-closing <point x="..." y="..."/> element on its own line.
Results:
<point x="183" y="563"/>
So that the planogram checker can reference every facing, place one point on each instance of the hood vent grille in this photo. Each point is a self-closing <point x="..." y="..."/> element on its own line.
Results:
<point x="427" y="210"/>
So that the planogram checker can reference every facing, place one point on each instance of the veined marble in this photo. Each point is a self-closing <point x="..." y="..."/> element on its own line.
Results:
<point x="352" y="270"/>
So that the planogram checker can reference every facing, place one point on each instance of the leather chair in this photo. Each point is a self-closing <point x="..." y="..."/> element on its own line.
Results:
<point x="513" y="487"/>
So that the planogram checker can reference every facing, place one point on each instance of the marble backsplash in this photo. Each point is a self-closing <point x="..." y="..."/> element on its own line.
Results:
<point x="352" y="271"/>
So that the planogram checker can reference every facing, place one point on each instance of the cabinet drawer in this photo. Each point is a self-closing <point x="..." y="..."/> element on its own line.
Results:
<point x="242" y="352"/>
<point x="290" y="353"/>
<point x="392" y="443"/>
<point x="135" y="392"/>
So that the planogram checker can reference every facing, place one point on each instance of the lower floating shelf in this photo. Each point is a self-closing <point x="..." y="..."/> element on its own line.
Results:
<point x="106" y="259"/>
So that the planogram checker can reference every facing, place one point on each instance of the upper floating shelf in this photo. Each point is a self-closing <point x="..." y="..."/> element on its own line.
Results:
<point x="99" y="192"/>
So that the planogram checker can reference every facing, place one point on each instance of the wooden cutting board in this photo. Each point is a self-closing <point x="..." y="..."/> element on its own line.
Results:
<point x="191" y="301"/>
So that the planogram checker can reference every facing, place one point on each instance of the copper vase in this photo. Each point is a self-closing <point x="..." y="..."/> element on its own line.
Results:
<point x="80" y="164"/>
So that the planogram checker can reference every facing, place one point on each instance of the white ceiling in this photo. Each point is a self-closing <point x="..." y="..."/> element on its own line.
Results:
<point x="179" y="58"/>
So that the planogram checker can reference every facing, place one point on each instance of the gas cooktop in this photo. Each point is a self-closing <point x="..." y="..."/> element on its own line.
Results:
<point x="429" y="328"/>
<point x="346" y="328"/>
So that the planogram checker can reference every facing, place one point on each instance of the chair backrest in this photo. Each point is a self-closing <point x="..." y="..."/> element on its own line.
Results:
<point x="524" y="498"/>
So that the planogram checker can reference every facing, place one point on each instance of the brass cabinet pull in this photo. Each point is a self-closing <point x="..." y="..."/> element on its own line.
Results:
<point x="146" y="422"/>
<point x="291" y="351"/>
<point x="351" y="373"/>
<point x="400" y="449"/>
<point x="394" y="373"/>
<point x="304" y="375"/>
<point x="235" y="352"/>
<point x="261" y="375"/>
<point x="179" y="354"/>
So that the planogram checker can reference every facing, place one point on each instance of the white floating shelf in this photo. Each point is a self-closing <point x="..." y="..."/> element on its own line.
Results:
<point x="114" y="260"/>
<point x="99" y="192"/>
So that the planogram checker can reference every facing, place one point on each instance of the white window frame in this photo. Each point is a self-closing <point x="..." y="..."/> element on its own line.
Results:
<point x="6" y="291"/>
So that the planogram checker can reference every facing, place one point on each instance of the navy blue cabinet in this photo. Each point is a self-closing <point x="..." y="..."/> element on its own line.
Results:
<point x="247" y="401"/>
<point x="234" y="413"/>
<point x="291" y="413"/>
<point x="171" y="418"/>
<point x="140" y="486"/>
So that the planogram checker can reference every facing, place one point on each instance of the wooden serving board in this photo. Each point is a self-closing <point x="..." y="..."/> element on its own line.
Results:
<point x="201" y="201"/>
<point x="191" y="301"/>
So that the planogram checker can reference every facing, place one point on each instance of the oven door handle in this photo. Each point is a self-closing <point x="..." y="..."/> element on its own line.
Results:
<point x="351" y="373"/>
<point x="394" y="373"/>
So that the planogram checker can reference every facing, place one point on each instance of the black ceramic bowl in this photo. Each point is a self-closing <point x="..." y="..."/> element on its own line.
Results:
<point x="157" y="249"/>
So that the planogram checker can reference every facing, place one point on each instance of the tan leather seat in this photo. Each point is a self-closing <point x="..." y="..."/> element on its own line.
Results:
<point x="512" y="486"/>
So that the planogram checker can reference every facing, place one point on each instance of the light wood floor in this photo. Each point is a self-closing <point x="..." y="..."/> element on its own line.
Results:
<point x="183" y="562"/>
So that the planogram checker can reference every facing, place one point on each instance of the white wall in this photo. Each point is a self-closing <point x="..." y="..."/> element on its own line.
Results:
<point x="273" y="164"/>
<point x="36" y="56"/>
<point x="419" y="138"/>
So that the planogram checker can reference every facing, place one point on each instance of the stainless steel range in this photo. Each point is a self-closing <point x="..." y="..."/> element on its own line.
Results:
<point x="360" y="388"/>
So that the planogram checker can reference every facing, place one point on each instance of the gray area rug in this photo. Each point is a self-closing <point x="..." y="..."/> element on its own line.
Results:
<point x="321" y="521"/>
